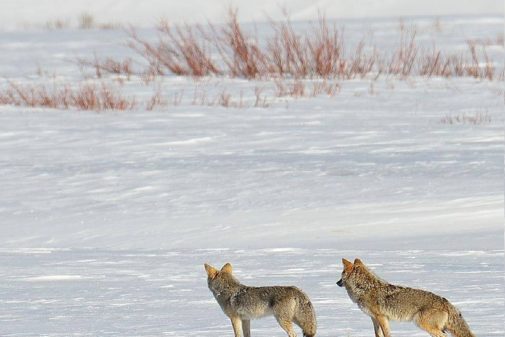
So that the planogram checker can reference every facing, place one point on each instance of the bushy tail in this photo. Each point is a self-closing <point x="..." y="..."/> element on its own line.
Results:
<point x="457" y="325"/>
<point x="305" y="317"/>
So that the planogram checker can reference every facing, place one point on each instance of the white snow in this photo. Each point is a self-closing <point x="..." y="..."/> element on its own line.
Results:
<point x="46" y="278"/>
<point x="107" y="218"/>
<point x="22" y="14"/>
<point x="378" y="171"/>
<point x="164" y="293"/>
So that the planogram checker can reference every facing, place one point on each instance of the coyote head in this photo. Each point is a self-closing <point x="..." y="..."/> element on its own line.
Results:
<point x="348" y="268"/>
<point x="358" y="279"/>
<point x="220" y="280"/>
<point x="354" y="273"/>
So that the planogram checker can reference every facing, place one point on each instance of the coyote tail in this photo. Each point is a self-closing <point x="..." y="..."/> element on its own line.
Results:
<point x="457" y="325"/>
<point x="306" y="317"/>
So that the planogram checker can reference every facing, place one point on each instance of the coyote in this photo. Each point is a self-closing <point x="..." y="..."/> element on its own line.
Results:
<point x="242" y="303"/>
<point x="383" y="302"/>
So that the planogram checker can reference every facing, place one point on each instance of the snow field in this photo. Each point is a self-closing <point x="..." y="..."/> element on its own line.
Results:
<point x="55" y="293"/>
<point x="127" y="206"/>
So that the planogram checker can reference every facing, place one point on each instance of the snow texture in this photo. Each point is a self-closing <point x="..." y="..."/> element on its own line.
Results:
<point x="20" y="14"/>
<point x="107" y="218"/>
<point x="374" y="166"/>
<point x="164" y="293"/>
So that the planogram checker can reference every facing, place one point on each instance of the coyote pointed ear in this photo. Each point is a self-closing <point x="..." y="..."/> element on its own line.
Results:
<point x="358" y="262"/>
<point x="347" y="264"/>
<point x="211" y="271"/>
<point x="227" y="268"/>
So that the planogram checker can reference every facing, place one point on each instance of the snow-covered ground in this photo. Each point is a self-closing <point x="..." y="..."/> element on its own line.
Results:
<point x="21" y="14"/>
<point x="380" y="169"/>
<point x="164" y="293"/>
<point x="107" y="218"/>
<point x="384" y="163"/>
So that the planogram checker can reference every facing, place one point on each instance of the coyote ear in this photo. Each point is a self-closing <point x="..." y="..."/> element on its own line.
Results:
<point x="347" y="264"/>
<point x="358" y="262"/>
<point x="227" y="268"/>
<point x="211" y="271"/>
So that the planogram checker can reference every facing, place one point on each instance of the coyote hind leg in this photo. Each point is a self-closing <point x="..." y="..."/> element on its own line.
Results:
<point x="432" y="321"/>
<point x="287" y="325"/>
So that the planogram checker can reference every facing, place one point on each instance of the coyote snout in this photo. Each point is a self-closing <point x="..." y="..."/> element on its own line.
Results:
<point x="242" y="303"/>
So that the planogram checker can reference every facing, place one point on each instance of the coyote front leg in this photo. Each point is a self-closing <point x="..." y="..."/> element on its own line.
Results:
<point x="384" y="325"/>
<point x="236" y="322"/>
<point x="377" y="328"/>
<point x="246" y="327"/>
